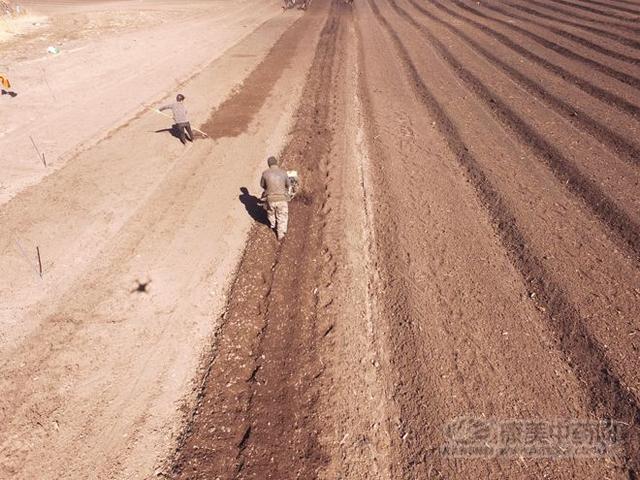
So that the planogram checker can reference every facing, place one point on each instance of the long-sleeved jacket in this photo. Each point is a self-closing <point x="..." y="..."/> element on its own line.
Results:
<point x="275" y="183"/>
<point x="179" y="112"/>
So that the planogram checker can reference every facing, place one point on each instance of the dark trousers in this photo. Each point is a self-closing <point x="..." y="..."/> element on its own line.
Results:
<point x="180" y="128"/>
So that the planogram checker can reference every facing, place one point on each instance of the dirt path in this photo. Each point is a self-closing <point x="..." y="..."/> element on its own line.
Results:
<point x="116" y="61"/>
<point x="97" y="376"/>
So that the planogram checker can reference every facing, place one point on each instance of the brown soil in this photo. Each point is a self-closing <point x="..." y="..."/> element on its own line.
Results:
<point x="256" y="415"/>
<point x="469" y="296"/>
<point x="234" y="116"/>
<point x="465" y="249"/>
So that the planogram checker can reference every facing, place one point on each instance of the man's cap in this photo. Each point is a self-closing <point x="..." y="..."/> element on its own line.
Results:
<point x="180" y="97"/>
<point x="272" y="161"/>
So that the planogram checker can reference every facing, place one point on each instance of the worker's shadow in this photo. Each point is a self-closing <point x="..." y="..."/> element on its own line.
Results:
<point x="10" y="93"/>
<point x="173" y="131"/>
<point x="253" y="207"/>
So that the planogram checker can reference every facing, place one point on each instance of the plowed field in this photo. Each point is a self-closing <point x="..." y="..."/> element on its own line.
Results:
<point x="458" y="293"/>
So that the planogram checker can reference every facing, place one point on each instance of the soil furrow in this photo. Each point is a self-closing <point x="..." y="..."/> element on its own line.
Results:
<point x="564" y="169"/>
<point x="624" y="2"/>
<point x="583" y="353"/>
<point x="598" y="11"/>
<point x="257" y="411"/>
<point x="584" y="85"/>
<point x="235" y="114"/>
<point x="107" y="363"/>
<point x="578" y="118"/>
<point x="399" y="334"/>
<point x="457" y="293"/>
<point x="293" y="301"/>
<point x="572" y="14"/>
<point x="624" y="40"/>
<point x="557" y="48"/>
<point x="355" y="406"/>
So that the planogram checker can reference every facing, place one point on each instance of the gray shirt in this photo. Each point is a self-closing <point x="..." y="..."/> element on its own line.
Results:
<point x="275" y="183"/>
<point x="179" y="112"/>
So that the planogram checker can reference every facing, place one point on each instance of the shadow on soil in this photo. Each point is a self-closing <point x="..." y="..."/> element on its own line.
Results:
<point x="253" y="207"/>
<point x="173" y="130"/>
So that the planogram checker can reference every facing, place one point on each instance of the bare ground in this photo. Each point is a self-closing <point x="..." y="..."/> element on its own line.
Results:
<point x="465" y="247"/>
<point x="443" y="297"/>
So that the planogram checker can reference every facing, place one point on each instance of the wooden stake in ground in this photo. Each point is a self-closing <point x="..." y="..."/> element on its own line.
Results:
<point x="40" y="155"/>
<point x="44" y="75"/>
<point x="39" y="259"/>
<point x="28" y="260"/>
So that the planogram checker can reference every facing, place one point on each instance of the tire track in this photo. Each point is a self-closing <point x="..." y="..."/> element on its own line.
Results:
<point x="582" y="121"/>
<point x="626" y="231"/>
<point x="584" y="85"/>
<point x="565" y="52"/>
<point x="584" y="354"/>
<point x="575" y="15"/>
<point x="599" y="11"/>
<point x="597" y="31"/>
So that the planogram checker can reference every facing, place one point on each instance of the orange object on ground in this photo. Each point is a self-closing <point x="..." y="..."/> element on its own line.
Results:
<point x="5" y="82"/>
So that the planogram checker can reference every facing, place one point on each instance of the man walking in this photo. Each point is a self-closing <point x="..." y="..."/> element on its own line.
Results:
<point x="275" y="183"/>
<point x="180" y="118"/>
